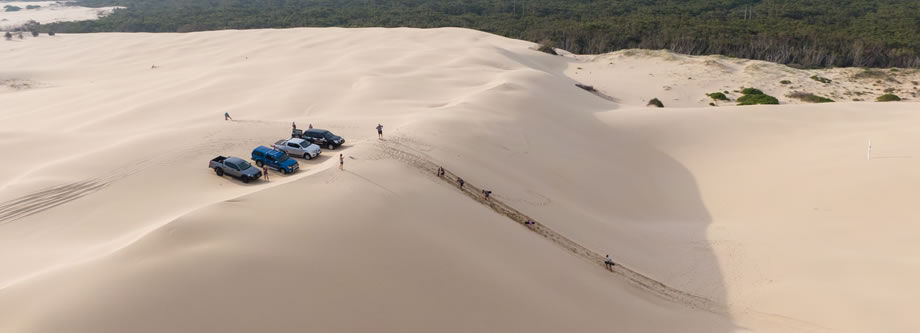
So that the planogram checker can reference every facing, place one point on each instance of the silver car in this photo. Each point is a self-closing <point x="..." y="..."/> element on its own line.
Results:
<point x="298" y="147"/>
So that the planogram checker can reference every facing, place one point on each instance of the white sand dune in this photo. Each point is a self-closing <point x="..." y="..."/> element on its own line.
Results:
<point x="111" y="222"/>
<point x="47" y="12"/>
<point x="636" y="76"/>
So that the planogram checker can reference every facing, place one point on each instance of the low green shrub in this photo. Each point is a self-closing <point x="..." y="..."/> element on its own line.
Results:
<point x="753" y="99"/>
<point x="820" y="79"/>
<point x="546" y="46"/>
<point x="869" y="73"/>
<point x="751" y="91"/>
<point x="656" y="102"/>
<point x="888" y="98"/>
<point x="810" y="98"/>
<point x="717" y="96"/>
<point x="785" y="82"/>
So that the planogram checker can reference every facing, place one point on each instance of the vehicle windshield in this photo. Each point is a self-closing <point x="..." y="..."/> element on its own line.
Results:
<point x="282" y="158"/>
<point x="243" y="165"/>
<point x="330" y="136"/>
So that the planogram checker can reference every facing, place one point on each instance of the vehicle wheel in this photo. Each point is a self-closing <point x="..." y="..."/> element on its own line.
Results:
<point x="307" y="156"/>
<point x="245" y="179"/>
<point x="219" y="171"/>
<point x="284" y="171"/>
<point x="331" y="147"/>
<point x="259" y="163"/>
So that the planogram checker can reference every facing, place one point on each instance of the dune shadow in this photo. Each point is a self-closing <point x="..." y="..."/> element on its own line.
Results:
<point x="650" y="194"/>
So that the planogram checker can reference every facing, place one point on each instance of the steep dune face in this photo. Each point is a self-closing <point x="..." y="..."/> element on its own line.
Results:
<point x="122" y="227"/>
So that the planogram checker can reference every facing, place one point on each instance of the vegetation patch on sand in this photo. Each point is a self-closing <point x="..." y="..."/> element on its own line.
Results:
<point x="888" y="98"/>
<point x="655" y="102"/>
<point x="820" y="79"/>
<point x="753" y="96"/>
<point x="809" y="97"/>
<point x="718" y="96"/>
<point x="869" y="73"/>
<point x="546" y="47"/>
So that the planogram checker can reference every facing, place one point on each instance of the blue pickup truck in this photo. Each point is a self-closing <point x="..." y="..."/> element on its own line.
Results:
<point x="274" y="159"/>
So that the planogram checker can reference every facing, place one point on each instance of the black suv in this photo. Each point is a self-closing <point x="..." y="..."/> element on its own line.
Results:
<point x="321" y="137"/>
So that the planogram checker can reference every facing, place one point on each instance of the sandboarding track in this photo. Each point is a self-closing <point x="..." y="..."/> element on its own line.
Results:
<point x="404" y="153"/>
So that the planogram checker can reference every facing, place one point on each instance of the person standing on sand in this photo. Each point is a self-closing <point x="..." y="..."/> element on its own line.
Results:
<point x="486" y="193"/>
<point x="461" y="182"/>
<point x="609" y="262"/>
<point x="265" y="171"/>
<point x="310" y="126"/>
<point x="227" y="116"/>
<point x="379" y="131"/>
<point x="293" y="125"/>
<point x="440" y="172"/>
<point x="341" y="162"/>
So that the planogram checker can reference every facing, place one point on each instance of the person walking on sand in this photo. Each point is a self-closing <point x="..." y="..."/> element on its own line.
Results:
<point x="379" y="131"/>
<point x="440" y="172"/>
<point x="461" y="182"/>
<point x="227" y="116"/>
<point x="293" y="125"/>
<point x="341" y="162"/>
<point x="609" y="262"/>
<point x="265" y="171"/>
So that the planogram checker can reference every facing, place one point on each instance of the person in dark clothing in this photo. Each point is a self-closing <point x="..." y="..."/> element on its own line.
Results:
<point x="486" y="193"/>
<point x="460" y="181"/>
<point x="293" y="125"/>
<point x="440" y="171"/>
<point x="227" y="116"/>
<point x="379" y="131"/>
<point x="341" y="162"/>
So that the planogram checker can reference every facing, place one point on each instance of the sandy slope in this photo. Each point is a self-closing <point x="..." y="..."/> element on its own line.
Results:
<point x="773" y="211"/>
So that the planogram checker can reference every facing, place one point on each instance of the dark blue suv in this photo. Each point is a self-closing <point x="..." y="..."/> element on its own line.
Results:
<point x="274" y="159"/>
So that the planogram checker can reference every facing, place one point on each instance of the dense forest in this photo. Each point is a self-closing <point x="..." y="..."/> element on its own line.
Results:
<point x="807" y="33"/>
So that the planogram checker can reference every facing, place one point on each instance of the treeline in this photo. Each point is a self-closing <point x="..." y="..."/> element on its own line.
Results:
<point x="807" y="33"/>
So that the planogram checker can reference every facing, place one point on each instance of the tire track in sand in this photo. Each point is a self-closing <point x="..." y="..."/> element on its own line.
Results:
<point x="37" y="202"/>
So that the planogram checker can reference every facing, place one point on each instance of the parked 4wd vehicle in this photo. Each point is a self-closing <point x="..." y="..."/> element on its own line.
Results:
<point x="274" y="159"/>
<point x="236" y="167"/>
<point x="321" y="137"/>
<point x="298" y="147"/>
